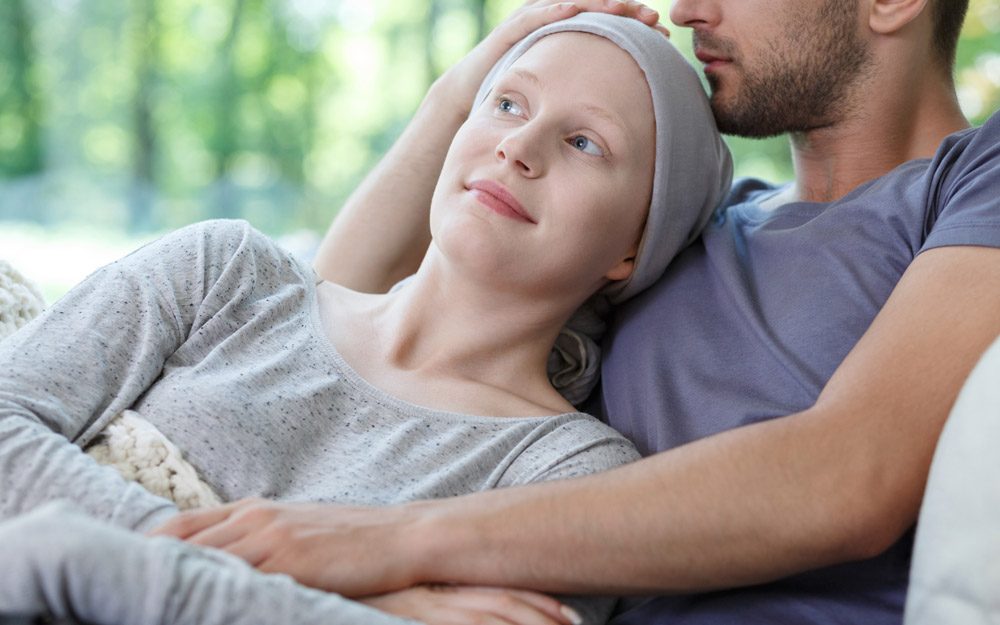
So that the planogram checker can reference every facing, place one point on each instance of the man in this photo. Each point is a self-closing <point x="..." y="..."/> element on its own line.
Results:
<point x="852" y="302"/>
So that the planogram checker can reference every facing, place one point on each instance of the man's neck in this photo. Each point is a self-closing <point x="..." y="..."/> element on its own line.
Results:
<point x="889" y="127"/>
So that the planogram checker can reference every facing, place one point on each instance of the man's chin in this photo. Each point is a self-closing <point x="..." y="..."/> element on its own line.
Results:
<point x="745" y="124"/>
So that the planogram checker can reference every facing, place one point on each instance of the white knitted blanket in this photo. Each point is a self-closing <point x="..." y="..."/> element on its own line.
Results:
<point x="141" y="453"/>
<point x="20" y="299"/>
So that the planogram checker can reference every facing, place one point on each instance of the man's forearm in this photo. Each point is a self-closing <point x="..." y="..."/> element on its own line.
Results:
<point x="381" y="233"/>
<point x="839" y="482"/>
<point x="681" y="521"/>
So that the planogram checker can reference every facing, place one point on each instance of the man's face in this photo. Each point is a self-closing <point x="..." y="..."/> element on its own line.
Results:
<point x="777" y="66"/>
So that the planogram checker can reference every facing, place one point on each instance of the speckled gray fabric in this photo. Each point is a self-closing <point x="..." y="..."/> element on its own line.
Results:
<point x="60" y="562"/>
<point x="213" y="335"/>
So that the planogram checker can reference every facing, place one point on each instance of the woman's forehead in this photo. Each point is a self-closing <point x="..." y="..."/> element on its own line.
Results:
<point x="568" y="46"/>
<point x="590" y="70"/>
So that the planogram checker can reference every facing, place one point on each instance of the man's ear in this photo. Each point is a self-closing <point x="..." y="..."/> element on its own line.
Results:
<point x="888" y="16"/>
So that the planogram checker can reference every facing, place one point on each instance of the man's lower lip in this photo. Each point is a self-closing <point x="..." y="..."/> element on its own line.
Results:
<point x="714" y="66"/>
<point x="494" y="204"/>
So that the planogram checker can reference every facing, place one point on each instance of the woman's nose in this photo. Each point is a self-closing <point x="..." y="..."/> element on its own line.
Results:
<point x="519" y="149"/>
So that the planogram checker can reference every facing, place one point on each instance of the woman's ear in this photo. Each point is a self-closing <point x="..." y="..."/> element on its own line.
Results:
<point x="888" y="16"/>
<point x="622" y="270"/>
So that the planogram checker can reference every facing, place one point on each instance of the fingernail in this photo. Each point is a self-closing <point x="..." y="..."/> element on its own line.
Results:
<point x="646" y="12"/>
<point x="573" y="616"/>
<point x="611" y="4"/>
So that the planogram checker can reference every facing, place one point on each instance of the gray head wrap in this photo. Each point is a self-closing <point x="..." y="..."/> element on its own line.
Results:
<point x="691" y="178"/>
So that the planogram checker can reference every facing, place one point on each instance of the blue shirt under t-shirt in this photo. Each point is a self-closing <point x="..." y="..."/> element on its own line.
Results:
<point x="751" y="321"/>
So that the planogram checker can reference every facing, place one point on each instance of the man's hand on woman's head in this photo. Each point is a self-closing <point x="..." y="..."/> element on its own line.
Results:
<point x="463" y="79"/>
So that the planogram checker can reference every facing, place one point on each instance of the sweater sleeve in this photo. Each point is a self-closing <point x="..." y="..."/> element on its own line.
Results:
<point x="63" y="563"/>
<point x="94" y="353"/>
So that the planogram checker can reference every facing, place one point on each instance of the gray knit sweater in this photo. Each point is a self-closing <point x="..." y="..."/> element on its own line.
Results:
<point x="213" y="335"/>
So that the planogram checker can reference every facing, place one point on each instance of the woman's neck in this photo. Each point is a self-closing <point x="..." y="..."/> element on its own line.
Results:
<point x="449" y="343"/>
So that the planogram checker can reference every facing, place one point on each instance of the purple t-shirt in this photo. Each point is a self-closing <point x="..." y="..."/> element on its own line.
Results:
<point x="751" y="321"/>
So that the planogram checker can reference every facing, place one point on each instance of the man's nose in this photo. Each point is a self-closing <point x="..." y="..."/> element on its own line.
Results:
<point x="696" y="13"/>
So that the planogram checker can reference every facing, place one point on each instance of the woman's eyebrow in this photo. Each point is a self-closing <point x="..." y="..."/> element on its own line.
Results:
<point x="526" y="75"/>
<point x="607" y="116"/>
<point x="592" y="109"/>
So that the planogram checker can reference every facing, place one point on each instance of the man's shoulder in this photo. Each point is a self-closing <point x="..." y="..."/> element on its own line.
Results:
<point x="751" y="190"/>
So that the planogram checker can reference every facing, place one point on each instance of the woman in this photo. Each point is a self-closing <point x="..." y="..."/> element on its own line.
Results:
<point x="276" y="386"/>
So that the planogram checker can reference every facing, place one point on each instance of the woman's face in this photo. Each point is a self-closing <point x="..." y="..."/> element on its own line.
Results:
<point x="545" y="188"/>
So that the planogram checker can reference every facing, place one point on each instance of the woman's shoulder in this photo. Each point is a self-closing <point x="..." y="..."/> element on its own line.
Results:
<point x="571" y="445"/>
<point x="217" y="247"/>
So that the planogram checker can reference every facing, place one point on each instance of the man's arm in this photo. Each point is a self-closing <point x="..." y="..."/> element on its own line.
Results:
<point x="838" y="482"/>
<point x="381" y="233"/>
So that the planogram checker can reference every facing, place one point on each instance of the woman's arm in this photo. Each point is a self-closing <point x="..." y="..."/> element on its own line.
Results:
<point x="60" y="562"/>
<point x="838" y="482"/>
<point x="86" y="358"/>
<point x="381" y="233"/>
<point x="93" y="354"/>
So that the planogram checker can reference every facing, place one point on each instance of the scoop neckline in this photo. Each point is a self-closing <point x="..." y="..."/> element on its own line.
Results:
<point x="380" y="396"/>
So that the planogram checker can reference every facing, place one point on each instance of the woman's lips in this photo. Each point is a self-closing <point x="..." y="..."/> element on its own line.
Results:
<point x="499" y="199"/>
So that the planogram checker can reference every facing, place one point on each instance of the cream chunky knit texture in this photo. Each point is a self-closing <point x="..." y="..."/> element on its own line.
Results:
<point x="141" y="453"/>
<point x="20" y="299"/>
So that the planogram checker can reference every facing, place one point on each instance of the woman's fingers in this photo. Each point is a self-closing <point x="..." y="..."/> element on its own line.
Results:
<point x="459" y="605"/>
<point x="465" y="77"/>
<point x="521" y="606"/>
<point x="628" y="8"/>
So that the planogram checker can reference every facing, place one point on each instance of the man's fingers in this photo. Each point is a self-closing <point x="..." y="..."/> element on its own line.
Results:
<point x="245" y="518"/>
<point x="189" y="523"/>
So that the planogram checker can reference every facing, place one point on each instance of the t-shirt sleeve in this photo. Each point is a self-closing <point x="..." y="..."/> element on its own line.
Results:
<point x="93" y="353"/>
<point x="965" y="206"/>
<point x="575" y="448"/>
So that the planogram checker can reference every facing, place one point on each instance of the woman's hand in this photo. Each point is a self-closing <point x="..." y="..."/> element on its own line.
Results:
<point x="462" y="605"/>
<point x="463" y="79"/>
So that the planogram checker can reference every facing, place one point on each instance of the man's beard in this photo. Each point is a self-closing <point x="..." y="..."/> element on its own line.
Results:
<point x="805" y="84"/>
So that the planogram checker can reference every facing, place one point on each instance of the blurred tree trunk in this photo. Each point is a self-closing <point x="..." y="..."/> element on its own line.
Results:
<point x="433" y="12"/>
<point x="226" y="140"/>
<point x="145" y="46"/>
<point x="21" y="99"/>
<point x="479" y="14"/>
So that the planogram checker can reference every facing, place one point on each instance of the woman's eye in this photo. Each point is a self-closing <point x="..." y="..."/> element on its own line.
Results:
<point x="509" y="106"/>
<point x="586" y="145"/>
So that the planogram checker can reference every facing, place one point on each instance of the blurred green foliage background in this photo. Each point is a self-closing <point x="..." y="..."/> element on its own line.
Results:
<point x="120" y="119"/>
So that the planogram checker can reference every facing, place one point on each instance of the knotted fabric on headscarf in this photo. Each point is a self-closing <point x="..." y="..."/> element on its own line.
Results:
<point x="692" y="174"/>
